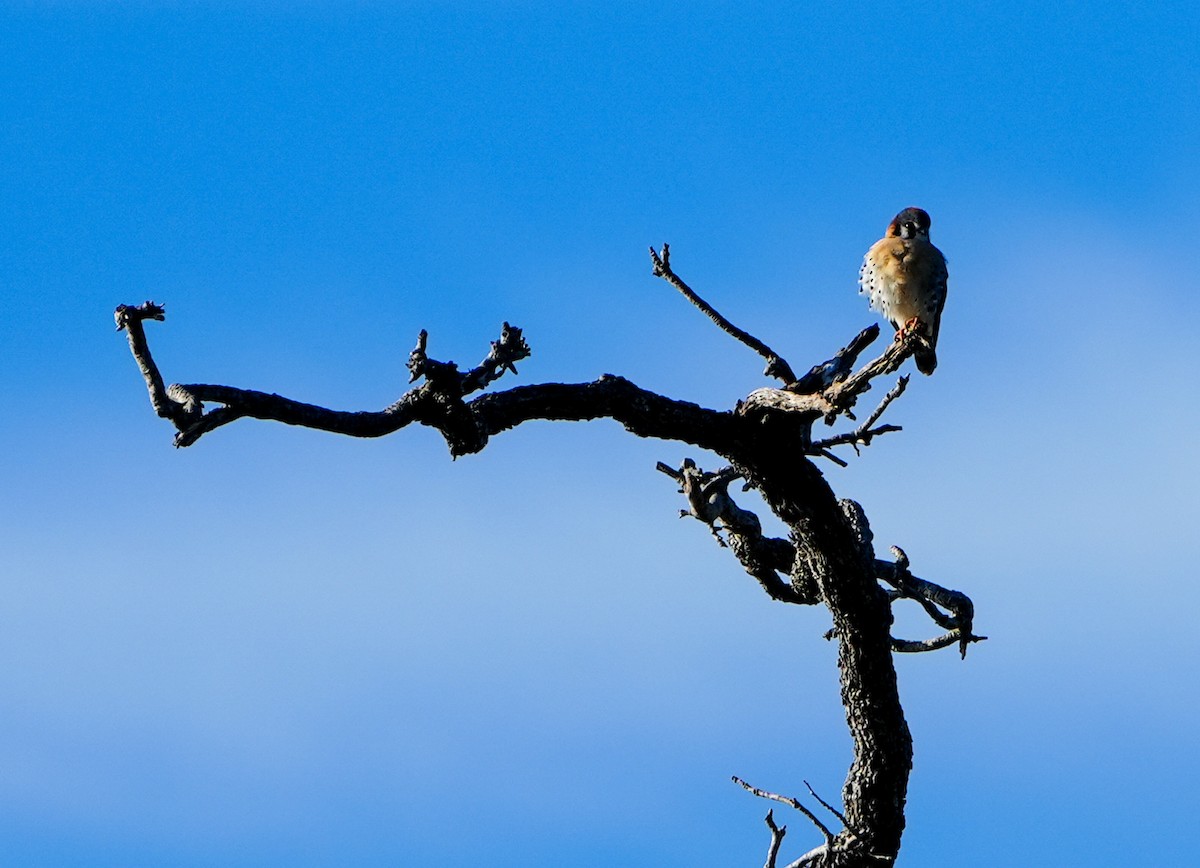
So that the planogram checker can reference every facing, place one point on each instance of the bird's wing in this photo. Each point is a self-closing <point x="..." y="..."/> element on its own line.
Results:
<point x="941" y="276"/>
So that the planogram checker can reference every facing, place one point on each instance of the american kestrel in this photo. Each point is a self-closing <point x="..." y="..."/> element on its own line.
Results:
<point x="905" y="277"/>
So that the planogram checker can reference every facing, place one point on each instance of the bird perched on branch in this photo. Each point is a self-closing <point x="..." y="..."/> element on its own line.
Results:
<point x="904" y="275"/>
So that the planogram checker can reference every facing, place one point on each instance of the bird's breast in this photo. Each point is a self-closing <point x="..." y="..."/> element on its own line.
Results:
<point x="890" y="257"/>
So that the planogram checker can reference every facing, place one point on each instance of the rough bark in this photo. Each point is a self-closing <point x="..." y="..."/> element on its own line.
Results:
<point x="827" y="559"/>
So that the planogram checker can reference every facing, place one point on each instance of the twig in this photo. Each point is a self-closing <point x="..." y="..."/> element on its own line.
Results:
<point x="788" y="800"/>
<point x="777" y="367"/>
<point x="864" y="433"/>
<point x="919" y="646"/>
<point x="825" y="453"/>
<point x="859" y="435"/>
<point x="895" y="392"/>
<point x="830" y="808"/>
<point x="777" y="833"/>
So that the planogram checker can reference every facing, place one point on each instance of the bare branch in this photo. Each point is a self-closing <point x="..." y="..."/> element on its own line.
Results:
<point x="764" y="558"/>
<point x="129" y="319"/>
<point x="825" y="453"/>
<point x="502" y="357"/>
<point x="843" y="395"/>
<point x="838" y="398"/>
<point x="253" y="404"/>
<point x="420" y="365"/>
<point x="466" y="427"/>
<point x="640" y="411"/>
<point x="830" y="808"/>
<point x="437" y="403"/>
<point x="860" y="435"/>
<point x="777" y="367"/>
<point x="930" y="596"/>
<point x="824" y="375"/>
<point x="895" y="392"/>
<point x="777" y="833"/>
<point x="788" y="800"/>
<point x="918" y="646"/>
<point x="864" y="433"/>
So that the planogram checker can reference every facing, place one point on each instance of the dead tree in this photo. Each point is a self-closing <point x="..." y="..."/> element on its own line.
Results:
<point x="768" y="441"/>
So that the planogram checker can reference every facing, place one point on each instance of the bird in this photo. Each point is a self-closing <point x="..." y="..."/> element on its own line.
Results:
<point x="904" y="276"/>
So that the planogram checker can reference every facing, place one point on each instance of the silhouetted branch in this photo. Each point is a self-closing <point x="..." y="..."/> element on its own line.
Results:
<point x="830" y="808"/>
<point x="843" y="395"/>
<point x="437" y="402"/>
<point x="179" y="408"/>
<point x="502" y="357"/>
<point x="824" y="375"/>
<point x="838" y="398"/>
<point x="777" y="367"/>
<point x="847" y="848"/>
<point x="764" y="558"/>
<point x="958" y="624"/>
<point x="864" y="433"/>
<point x="788" y="800"/>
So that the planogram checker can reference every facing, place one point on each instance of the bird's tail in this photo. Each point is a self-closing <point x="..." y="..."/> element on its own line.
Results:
<point x="926" y="360"/>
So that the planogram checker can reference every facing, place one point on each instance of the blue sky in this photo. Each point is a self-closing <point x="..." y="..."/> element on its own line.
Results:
<point x="283" y="647"/>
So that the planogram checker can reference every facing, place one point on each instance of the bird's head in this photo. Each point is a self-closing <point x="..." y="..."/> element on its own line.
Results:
<point x="909" y="223"/>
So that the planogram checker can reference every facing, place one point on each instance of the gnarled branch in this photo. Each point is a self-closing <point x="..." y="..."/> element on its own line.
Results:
<point x="958" y="623"/>
<point x="839" y="397"/>
<point x="437" y="402"/>
<point x="180" y="408"/>
<point x="764" y="558"/>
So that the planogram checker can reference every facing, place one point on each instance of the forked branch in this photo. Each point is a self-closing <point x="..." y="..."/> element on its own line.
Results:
<point x="765" y="558"/>
<point x="502" y="357"/>
<point x="864" y="433"/>
<point x="791" y="802"/>
<point x="933" y="599"/>
<point x="839" y="397"/>
<point x="438" y="401"/>
<point x="777" y="833"/>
